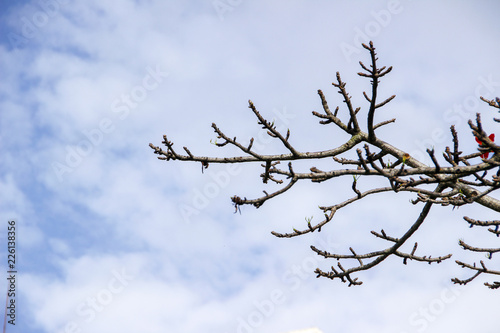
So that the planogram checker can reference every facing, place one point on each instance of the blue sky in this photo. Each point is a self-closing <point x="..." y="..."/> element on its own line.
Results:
<point x="112" y="239"/>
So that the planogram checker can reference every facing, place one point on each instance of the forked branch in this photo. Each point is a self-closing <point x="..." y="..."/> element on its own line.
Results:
<point x="458" y="180"/>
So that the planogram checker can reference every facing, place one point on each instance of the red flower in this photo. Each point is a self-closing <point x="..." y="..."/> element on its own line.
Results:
<point x="492" y="138"/>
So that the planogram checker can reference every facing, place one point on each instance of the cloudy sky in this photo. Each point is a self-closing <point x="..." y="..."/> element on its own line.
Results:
<point x="110" y="239"/>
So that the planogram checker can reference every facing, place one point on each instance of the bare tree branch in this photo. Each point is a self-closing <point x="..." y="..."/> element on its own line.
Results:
<point x="458" y="180"/>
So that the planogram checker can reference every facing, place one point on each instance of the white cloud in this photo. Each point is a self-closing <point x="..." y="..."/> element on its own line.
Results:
<point x="116" y="206"/>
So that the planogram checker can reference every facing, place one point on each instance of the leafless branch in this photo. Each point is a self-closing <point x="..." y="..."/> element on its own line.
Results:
<point x="458" y="180"/>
